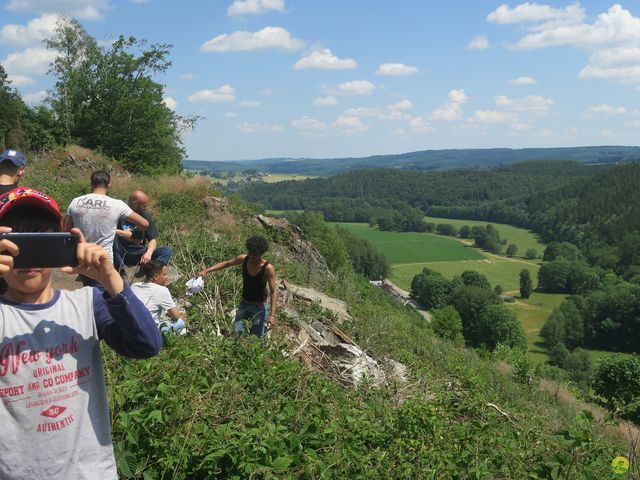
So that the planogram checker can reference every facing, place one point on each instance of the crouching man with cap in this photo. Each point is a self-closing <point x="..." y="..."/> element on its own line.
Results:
<point x="53" y="400"/>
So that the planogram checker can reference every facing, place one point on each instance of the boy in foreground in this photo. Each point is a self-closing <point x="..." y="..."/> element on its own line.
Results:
<point x="53" y="400"/>
<point x="256" y="274"/>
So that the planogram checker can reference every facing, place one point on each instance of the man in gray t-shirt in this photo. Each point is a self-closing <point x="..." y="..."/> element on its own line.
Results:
<point x="97" y="215"/>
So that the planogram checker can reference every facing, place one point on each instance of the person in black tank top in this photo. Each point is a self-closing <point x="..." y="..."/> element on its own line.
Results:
<point x="258" y="305"/>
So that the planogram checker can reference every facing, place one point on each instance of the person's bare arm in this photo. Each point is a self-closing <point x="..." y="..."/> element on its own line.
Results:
<point x="220" y="265"/>
<point x="68" y="223"/>
<point x="146" y="258"/>
<point x="175" y="314"/>
<point x="139" y="221"/>
<point x="270" y="275"/>
<point x="124" y="233"/>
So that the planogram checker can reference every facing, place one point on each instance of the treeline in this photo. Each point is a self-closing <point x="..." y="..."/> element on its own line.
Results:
<point x="104" y="99"/>
<point x="365" y="195"/>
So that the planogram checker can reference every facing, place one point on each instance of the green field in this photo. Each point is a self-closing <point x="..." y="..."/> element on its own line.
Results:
<point x="523" y="238"/>
<point x="281" y="177"/>
<point x="503" y="272"/>
<point x="414" y="248"/>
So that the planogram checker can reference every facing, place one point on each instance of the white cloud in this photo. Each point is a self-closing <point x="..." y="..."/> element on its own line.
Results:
<point x="492" y="117"/>
<point x="268" y="37"/>
<point x="324" y="59"/>
<point x="325" y="101"/>
<point x="451" y="110"/>
<point x="520" y="127"/>
<point x="532" y="12"/>
<point x="254" y="7"/>
<point x="231" y="114"/>
<point x="20" y="66"/>
<point x="613" y="37"/>
<point x="356" y="87"/>
<point x="266" y="91"/>
<point x="420" y="125"/>
<point x="170" y="102"/>
<point x="20" y="80"/>
<point x="226" y="93"/>
<point x="33" y="33"/>
<point x="350" y="125"/>
<point x="617" y="25"/>
<point x="246" y="127"/>
<point x="605" y="110"/>
<point x="531" y="103"/>
<point x="479" y="43"/>
<point x="87" y="9"/>
<point x="520" y="81"/>
<point x="249" y="103"/>
<point x="396" y="69"/>
<point x="401" y="105"/>
<point x="308" y="124"/>
<point x="187" y="76"/>
<point x="35" y="97"/>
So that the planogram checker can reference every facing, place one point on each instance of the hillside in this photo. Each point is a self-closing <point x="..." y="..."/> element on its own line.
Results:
<point x="218" y="406"/>
<point x="425" y="160"/>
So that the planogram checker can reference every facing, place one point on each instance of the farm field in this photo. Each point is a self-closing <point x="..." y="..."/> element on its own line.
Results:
<point x="281" y="177"/>
<point x="413" y="247"/>
<point x="499" y="271"/>
<point x="523" y="238"/>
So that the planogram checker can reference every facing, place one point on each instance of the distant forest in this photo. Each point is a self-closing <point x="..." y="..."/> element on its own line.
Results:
<point x="424" y="160"/>
<point x="591" y="206"/>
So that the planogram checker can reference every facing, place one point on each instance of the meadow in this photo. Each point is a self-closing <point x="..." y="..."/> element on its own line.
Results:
<point x="414" y="248"/>
<point x="522" y="237"/>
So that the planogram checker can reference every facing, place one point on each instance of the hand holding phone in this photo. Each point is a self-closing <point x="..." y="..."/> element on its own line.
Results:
<point x="41" y="249"/>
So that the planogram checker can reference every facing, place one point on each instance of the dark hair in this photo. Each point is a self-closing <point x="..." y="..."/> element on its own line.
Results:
<point x="148" y="270"/>
<point x="100" y="178"/>
<point x="30" y="219"/>
<point x="257" y="245"/>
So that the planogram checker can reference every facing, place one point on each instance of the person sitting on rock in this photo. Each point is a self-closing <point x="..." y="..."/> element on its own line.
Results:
<point x="256" y="274"/>
<point x="154" y="294"/>
<point x="133" y="246"/>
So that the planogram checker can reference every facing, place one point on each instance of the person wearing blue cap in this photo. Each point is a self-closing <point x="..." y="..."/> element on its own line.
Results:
<point x="12" y="163"/>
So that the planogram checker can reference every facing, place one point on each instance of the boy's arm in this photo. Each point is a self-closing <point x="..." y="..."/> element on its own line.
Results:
<point x="220" y="265"/>
<point x="125" y="324"/>
<point x="138" y="220"/>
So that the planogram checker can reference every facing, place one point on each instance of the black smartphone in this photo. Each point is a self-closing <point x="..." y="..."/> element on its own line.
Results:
<point x="46" y="249"/>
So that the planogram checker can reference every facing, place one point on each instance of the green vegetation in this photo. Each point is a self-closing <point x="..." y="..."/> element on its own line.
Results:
<point x="232" y="407"/>
<point x="103" y="98"/>
<point x="499" y="271"/>
<point x="411" y="247"/>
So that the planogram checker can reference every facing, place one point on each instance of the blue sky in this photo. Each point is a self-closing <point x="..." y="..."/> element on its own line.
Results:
<point x="302" y="78"/>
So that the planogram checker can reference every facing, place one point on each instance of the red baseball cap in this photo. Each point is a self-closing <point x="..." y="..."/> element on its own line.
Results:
<point x="25" y="196"/>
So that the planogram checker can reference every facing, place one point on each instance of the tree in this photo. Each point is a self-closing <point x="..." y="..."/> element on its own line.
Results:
<point x="430" y="288"/>
<point x="526" y="284"/>
<point x="324" y="237"/>
<point x="531" y="254"/>
<point x="108" y="99"/>
<point x="487" y="238"/>
<point x="76" y="55"/>
<point x="446" y="324"/>
<point x="476" y="279"/>
<point x="563" y="250"/>
<point x="617" y="380"/>
<point x="498" y="289"/>
<point x="446" y="229"/>
<point x="500" y="325"/>
<point x="12" y="108"/>
<point x="465" y="231"/>
<point x="470" y="302"/>
<point x="512" y="249"/>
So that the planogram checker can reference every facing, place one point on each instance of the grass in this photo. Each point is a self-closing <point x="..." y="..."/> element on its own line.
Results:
<point x="412" y="247"/>
<point x="523" y="238"/>
<point x="499" y="271"/>
<point x="281" y="177"/>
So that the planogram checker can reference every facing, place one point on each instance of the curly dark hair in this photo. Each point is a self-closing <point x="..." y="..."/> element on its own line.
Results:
<point x="257" y="245"/>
